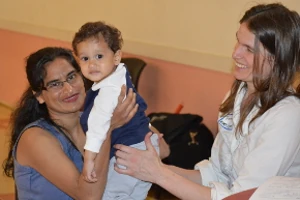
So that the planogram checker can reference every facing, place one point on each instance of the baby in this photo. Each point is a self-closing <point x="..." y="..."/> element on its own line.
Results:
<point x="98" y="49"/>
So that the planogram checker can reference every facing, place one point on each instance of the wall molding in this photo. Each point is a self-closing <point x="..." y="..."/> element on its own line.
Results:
<point x="6" y="105"/>
<point x="157" y="51"/>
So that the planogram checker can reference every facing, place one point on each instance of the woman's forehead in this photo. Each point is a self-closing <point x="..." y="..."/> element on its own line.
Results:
<point x="248" y="38"/>
<point x="244" y="35"/>
<point x="59" y="68"/>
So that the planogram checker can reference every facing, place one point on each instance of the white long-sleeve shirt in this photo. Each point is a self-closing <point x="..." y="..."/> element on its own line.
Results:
<point x="104" y="104"/>
<point x="270" y="147"/>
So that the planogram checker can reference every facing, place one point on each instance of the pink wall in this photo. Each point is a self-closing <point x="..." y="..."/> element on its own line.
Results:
<point x="162" y="84"/>
<point x="14" y="48"/>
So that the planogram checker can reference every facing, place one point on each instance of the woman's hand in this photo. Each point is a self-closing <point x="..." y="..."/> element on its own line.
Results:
<point x="125" y="110"/>
<point x="142" y="164"/>
<point x="164" y="149"/>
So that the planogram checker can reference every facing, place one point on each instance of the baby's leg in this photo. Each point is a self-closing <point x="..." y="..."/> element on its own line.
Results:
<point x="124" y="187"/>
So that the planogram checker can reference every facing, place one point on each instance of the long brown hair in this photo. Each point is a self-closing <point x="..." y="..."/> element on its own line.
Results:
<point x="277" y="29"/>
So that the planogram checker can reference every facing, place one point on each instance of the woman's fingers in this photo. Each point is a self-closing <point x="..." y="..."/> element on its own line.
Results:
<point x="121" y="170"/>
<point x="130" y="101"/>
<point x="133" y="111"/>
<point x="141" y="164"/>
<point x="125" y="110"/>
<point x="124" y="151"/>
<point x="160" y="135"/>
<point x="129" y="105"/>
<point x="148" y="142"/>
<point x="122" y="148"/>
<point x="122" y="94"/>
<point x="127" y="158"/>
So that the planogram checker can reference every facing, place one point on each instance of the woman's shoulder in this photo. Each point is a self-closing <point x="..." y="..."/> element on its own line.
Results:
<point x="37" y="125"/>
<point x="290" y="101"/>
<point x="33" y="142"/>
<point x="39" y="131"/>
<point x="287" y="107"/>
<point x="41" y="123"/>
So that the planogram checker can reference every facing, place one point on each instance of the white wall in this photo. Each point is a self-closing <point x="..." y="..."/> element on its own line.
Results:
<point x="194" y="32"/>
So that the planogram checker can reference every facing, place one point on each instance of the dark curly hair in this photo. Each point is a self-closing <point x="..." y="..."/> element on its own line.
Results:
<point x="111" y="35"/>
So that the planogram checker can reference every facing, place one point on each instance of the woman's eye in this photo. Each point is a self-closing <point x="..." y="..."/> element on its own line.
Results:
<point x="54" y="84"/>
<point x="71" y="77"/>
<point x="250" y="50"/>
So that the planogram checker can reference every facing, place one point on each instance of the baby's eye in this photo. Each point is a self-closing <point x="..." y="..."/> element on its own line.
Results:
<point x="99" y="56"/>
<point x="84" y="58"/>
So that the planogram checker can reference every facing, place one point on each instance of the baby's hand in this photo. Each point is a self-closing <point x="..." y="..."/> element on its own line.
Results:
<point x="88" y="172"/>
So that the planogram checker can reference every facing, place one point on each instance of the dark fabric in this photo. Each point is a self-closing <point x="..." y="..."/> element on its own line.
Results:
<point x="131" y="133"/>
<point x="189" y="139"/>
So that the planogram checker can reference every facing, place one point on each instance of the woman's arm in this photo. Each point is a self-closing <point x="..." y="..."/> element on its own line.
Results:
<point x="192" y="175"/>
<point x="146" y="165"/>
<point x="43" y="152"/>
<point x="164" y="151"/>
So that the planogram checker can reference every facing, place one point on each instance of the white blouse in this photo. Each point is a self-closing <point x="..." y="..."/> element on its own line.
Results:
<point x="270" y="147"/>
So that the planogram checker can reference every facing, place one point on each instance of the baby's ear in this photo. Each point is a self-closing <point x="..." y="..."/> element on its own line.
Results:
<point x="117" y="57"/>
<point x="39" y="97"/>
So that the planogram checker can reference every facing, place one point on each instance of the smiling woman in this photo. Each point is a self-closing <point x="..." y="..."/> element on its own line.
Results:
<point x="72" y="79"/>
<point x="259" y="120"/>
<point x="246" y="49"/>
<point x="62" y="96"/>
<point x="46" y="145"/>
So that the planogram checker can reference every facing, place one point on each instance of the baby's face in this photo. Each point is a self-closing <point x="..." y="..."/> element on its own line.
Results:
<point x="96" y="59"/>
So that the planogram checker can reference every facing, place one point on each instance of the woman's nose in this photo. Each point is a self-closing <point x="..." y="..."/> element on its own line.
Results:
<point x="237" y="51"/>
<point x="67" y="87"/>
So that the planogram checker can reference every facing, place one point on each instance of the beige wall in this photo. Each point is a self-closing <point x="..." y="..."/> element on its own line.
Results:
<point x="194" y="32"/>
<point x="186" y="32"/>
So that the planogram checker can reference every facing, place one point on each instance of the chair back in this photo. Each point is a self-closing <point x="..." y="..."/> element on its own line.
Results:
<point x="135" y="67"/>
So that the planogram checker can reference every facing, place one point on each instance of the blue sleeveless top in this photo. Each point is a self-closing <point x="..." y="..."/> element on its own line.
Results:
<point x="131" y="133"/>
<point x="30" y="183"/>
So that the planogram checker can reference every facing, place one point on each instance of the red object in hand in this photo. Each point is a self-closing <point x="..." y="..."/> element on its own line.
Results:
<point x="178" y="109"/>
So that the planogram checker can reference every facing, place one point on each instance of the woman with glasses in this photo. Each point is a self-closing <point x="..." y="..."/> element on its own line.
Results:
<point x="259" y="129"/>
<point x="46" y="146"/>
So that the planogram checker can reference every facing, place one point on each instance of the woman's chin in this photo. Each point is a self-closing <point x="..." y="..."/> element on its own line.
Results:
<point x="242" y="74"/>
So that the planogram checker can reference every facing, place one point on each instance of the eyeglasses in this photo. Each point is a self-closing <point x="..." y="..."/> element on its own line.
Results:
<point x="55" y="86"/>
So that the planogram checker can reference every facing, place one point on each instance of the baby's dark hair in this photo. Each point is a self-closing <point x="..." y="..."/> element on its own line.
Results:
<point x="111" y="35"/>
